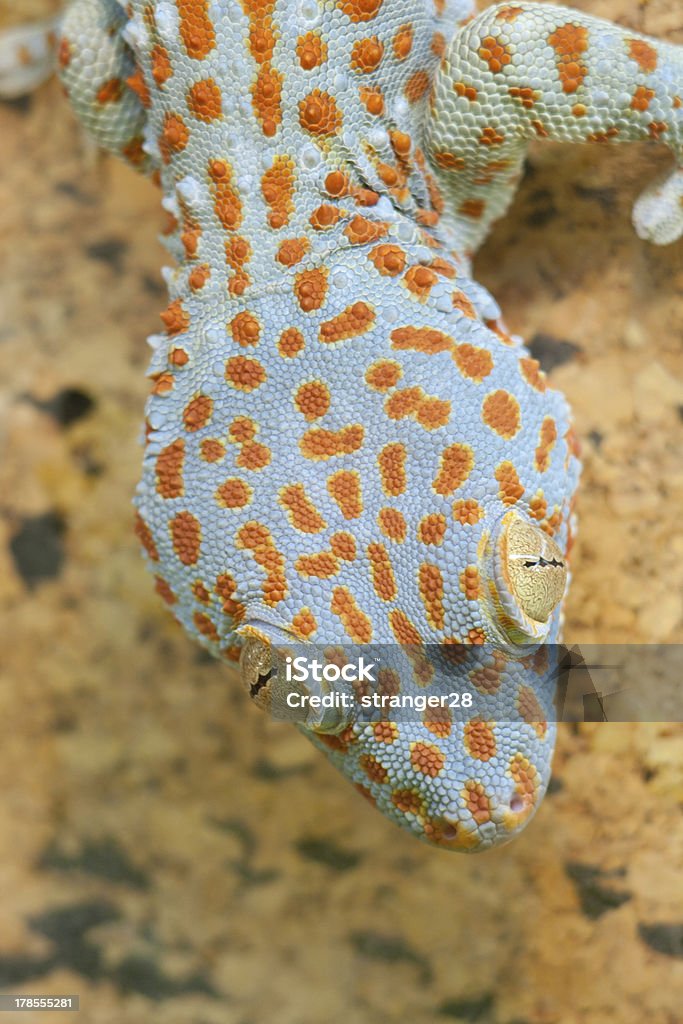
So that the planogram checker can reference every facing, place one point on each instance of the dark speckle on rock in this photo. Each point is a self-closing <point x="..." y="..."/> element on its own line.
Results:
<point x="67" y="406"/>
<point x="22" y="104"/>
<point x="37" y="548"/>
<point x="110" y="251"/>
<point x="552" y="352"/>
<point x="663" y="938"/>
<point x="323" y="851"/>
<point x="104" y="858"/>
<point x="604" y="197"/>
<point x="142" y="975"/>
<point x="473" y="1011"/>
<point x="391" y="949"/>
<point x="596" y="897"/>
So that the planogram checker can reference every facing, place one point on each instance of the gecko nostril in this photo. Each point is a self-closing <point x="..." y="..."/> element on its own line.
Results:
<point x="516" y="803"/>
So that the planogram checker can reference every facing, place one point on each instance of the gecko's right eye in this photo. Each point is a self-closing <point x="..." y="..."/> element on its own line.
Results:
<point x="530" y="578"/>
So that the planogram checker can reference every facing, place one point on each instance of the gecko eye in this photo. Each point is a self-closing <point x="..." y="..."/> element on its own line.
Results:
<point x="257" y="671"/>
<point x="534" y="568"/>
<point x="530" y="578"/>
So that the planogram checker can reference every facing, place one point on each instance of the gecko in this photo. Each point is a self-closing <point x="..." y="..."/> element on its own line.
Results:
<point x="344" y="445"/>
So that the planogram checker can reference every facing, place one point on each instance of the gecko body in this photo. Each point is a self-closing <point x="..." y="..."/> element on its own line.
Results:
<point x="344" y="446"/>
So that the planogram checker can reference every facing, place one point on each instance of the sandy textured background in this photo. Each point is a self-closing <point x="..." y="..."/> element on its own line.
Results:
<point x="171" y="855"/>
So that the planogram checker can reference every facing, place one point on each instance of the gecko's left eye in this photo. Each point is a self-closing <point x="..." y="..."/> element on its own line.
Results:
<point x="530" y="573"/>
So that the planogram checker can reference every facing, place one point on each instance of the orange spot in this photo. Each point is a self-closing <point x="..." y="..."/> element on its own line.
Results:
<point x="355" y="622"/>
<point x="389" y="260"/>
<point x="468" y="92"/>
<point x="427" y="759"/>
<point x="344" y="487"/>
<point x="569" y="42"/>
<point x="304" y="623"/>
<point x="644" y="54"/>
<point x="420" y="280"/>
<point x="174" y="136"/>
<point x="455" y="465"/>
<point x="402" y="43"/>
<point x="277" y="188"/>
<point x="227" y="203"/>
<point x="322" y="566"/>
<point x="480" y="739"/>
<point x="234" y="493"/>
<point x="205" y="102"/>
<point x="392" y="524"/>
<point x="392" y="463"/>
<point x="385" y="732"/>
<point x="431" y="594"/>
<point x="360" y="10"/>
<point x="403" y="629"/>
<point x="225" y="589"/>
<point x="292" y="251"/>
<point x="421" y="339"/>
<point x="367" y="54"/>
<point x="196" y="28"/>
<point x="291" y="343"/>
<point x="491" y="136"/>
<point x="110" y="91"/>
<point x="319" y="114"/>
<point x="381" y="572"/>
<point x="301" y="512"/>
<point x="372" y="100"/>
<point x="510" y="488"/>
<point x="175" y="318"/>
<point x="245" y="329"/>
<point x="311" y="51"/>
<point x="546" y="443"/>
<point x="310" y="288"/>
<point x="186" y="534"/>
<point x="383" y="375"/>
<point x="469" y="582"/>
<point x="449" y="161"/>
<point x="467" y="511"/>
<point x="501" y="412"/>
<point x="532" y="373"/>
<point x="254" y="456"/>
<point x="360" y="230"/>
<point x="477" y="801"/>
<point x="375" y="771"/>
<point x="161" y="65"/>
<point x="416" y="86"/>
<point x="495" y="54"/>
<point x="199" y="276"/>
<point x="318" y="444"/>
<point x="212" y="450"/>
<point x="350" y="323"/>
<point x="169" y="470"/>
<point x="312" y="399"/>
<point x="475" y="363"/>
<point x="257" y="539"/>
<point x="164" y="591"/>
<point x="244" y="374"/>
<point x="144" y="535"/>
<point x="266" y="98"/>
<point x="432" y="529"/>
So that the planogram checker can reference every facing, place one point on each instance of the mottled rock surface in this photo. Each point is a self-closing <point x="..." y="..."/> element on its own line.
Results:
<point x="174" y="857"/>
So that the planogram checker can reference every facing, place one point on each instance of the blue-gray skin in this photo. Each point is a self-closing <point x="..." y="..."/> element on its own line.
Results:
<point x="345" y="447"/>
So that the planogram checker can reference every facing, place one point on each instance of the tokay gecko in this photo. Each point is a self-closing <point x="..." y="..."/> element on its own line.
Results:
<point x="344" y="445"/>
